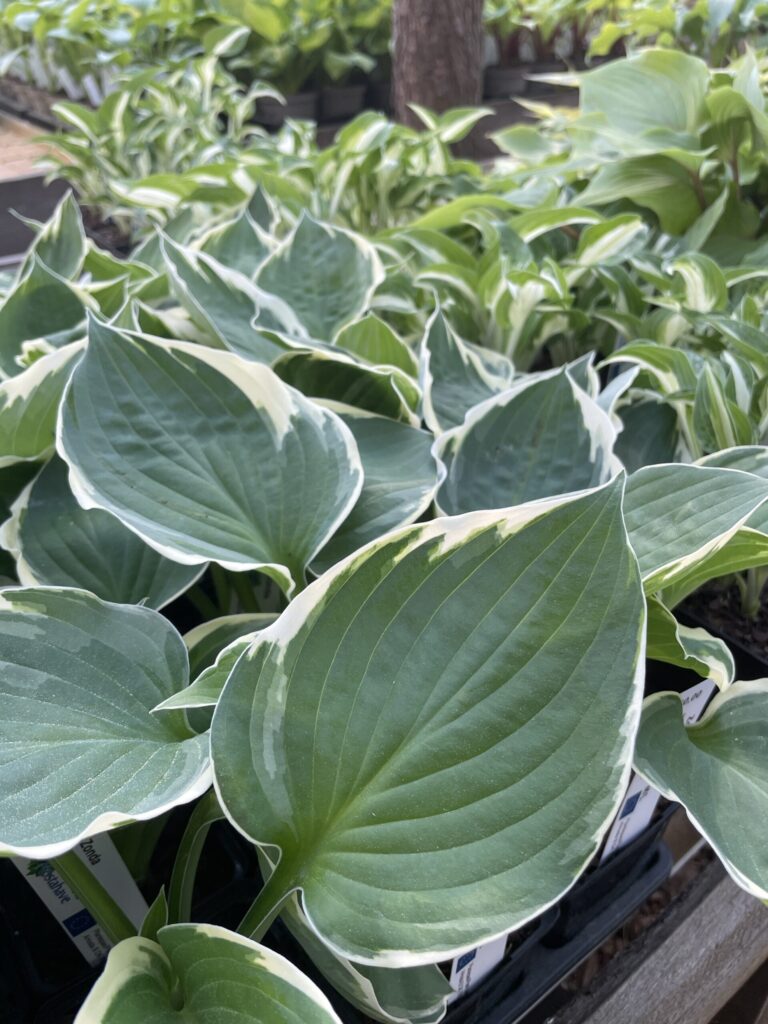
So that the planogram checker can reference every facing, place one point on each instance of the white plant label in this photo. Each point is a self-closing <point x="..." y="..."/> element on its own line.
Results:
<point x="641" y="799"/>
<point x="106" y="864"/>
<point x="469" y="969"/>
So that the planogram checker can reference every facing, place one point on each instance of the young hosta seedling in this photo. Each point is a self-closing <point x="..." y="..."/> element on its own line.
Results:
<point x="206" y="456"/>
<point x="403" y="738"/>
<point x="202" y="974"/>
<point x="718" y="770"/>
<point x="80" y="750"/>
<point x="544" y="436"/>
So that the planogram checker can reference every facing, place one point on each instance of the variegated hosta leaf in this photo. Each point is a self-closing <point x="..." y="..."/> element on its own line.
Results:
<point x="612" y="241"/>
<point x="749" y="459"/>
<point x="670" y="367"/>
<point x="400" y="482"/>
<point x="325" y="274"/>
<point x="717" y="419"/>
<point x="205" y="690"/>
<point x="206" y="456"/>
<point x="718" y="770"/>
<point x="202" y="974"/>
<point x="404" y="995"/>
<point x="544" y="436"/>
<point x="374" y="341"/>
<point x="239" y="244"/>
<point x="29" y="405"/>
<point x="42" y="305"/>
<point x="206" y="641"/>
<point x="80" y="750"/>
<point x="338" y="377"/>
<point x="679" y="515"/>
<point x="745" y="549"/>
<point x="61" y="243"/>
<point x="649" y="435"/>
<point x="405" y="734"/>
<point x="695" y="649"/>
<point x="224" y="303"/>
<point x="58" y="543"/>
<point x="455" y="377"/>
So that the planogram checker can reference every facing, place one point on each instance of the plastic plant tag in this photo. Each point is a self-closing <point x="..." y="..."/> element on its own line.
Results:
<point x="469" y="969"/>
<point x="106" y="864"/>
<point x="642" y="798"/>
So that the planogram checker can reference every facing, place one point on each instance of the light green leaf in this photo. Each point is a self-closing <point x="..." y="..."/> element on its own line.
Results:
<point x="454" y="377"/>
<point x="375" y="342"/>
<point x="80" y="750"/>
<point x="397" y="821"/>
<point x="205" y="690"/>
<point x="704" y="283"/>
<point x="657" y="182"/>
<point x="400" y="482"/>
<point x="718" y="770"/>
<point x="58" y="543"/>
<point x="29" y="405"/>
<point x="451" y="214"/>
<point x="325" y="274"/>
<point x="337" y="377"/>
<point x="718" y="421"/>
<point x="542" y="437"/>
<point x="746" y="549"/>
<point x="694" y="649"/>
<point x="200" y="974"/>
<point x="679" y="515"/>
<point x="206" y="456"/>
<point x="533" y="223"/>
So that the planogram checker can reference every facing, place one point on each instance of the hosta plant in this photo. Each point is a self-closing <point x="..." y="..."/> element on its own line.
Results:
<point x="422" y="584"/>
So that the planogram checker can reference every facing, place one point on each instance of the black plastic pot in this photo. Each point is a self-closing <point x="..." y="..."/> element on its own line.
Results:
<point x="502" y="82"/>
<point x="342" y="102"/>
<point x="29" y="197"/>
<point x="302" y="106"/>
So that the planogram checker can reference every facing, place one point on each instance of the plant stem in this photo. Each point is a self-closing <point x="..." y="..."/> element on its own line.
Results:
<point x="244" y="591"/>
<point x="202" y="602"/>
<point x="221" y="586"/>
<point x="187" y="860"/>
<point x="94" y="896"/>
<point x="268" y="904"/>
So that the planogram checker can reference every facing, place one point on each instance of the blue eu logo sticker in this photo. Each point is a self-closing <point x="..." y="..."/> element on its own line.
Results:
<point x="630" y="805"/>
<point x="467" y="958"/>
<point x="79" y="922"/>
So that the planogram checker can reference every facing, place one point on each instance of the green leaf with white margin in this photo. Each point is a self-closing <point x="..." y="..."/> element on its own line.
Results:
<point x="58" y="543"/>
<point x="205" y="690"/>
<point x="405" y="995"/>
<point x="718" y="770"/>
<point x="453" y="376"/>
<point x="749" y="459"/>
<point x="446" y="814"/>
<point x="200" y="974"/>
<point x="61" y="243"/>
<point x="325" y="274"/>
<point x="206" y="456"/>
<point x="746" y="549"/>
<point x="206" y="641"/>
<point x="533" y="223"/>
<point x="670" y="367"/>
<point x="658" y="183"/>
<point x="41" y="305"/>
<point x="337" y="377"/>
<point x="718" y="421"/>
<point x="542" y="437"/>
<point x="239" y="244"/>
<point x="80" y="750"/>
<point x="225" y="304"/>
<point x="399" y="484"/>
<point x="375" y="342"/>
<point x="695" y="649"/>
<point x="612" y="241"/>
<point x="678" y="515"/>
<point x="29" y="405"/>
<point x="705" y="287"/>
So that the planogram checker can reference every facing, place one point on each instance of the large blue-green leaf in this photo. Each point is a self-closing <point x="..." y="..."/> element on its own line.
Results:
<point x="206" y="456"/>
<point x="80" y="750"/>
<point x="404" y="737"/>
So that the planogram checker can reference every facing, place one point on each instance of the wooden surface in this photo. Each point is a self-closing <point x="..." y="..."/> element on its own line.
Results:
<point x="686" y="967"/>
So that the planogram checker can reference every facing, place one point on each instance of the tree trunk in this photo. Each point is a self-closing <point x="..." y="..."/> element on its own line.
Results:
<point x="438" y="55"/>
